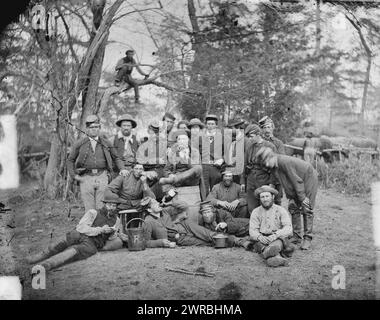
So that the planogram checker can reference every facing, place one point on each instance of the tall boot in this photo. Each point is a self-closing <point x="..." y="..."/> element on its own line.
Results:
<point x="53" y="249"/>
<point x="296" y="223"/>
<point x="308" y="219"/>
<point x="59" y="259"/>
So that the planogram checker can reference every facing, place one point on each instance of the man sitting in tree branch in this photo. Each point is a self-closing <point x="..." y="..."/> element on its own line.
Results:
<point x="124" y="69"/>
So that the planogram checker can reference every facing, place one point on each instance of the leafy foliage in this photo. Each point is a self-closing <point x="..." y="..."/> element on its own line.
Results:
<point x="354" y="175"/>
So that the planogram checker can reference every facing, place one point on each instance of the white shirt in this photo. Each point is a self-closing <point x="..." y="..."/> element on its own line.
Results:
<point x="127" y="139"/>
<point x="93" y="142"/>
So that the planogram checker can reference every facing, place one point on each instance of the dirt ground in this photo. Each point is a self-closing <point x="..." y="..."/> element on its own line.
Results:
<point x="343" y="236"/>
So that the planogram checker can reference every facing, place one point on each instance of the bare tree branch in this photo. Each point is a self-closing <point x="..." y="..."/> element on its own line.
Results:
<point x="134" y="11"/>
<point x="80" y="16"/>
<point x="73" y="53"/>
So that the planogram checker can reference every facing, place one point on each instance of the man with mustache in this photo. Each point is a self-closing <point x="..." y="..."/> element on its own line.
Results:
<point x="269" y="228"/>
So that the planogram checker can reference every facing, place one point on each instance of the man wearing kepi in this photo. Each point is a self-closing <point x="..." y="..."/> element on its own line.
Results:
<point x="124" y="142"/>
<point x="267" y="125"/>
<point x="269" y="228"/>
<point x="97" y="230"/>
<point x="255" y="173"/>
<point x="91" y="162"/>
<point x="300" y="182"/>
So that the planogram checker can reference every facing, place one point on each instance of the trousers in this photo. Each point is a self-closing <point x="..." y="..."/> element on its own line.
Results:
<point x="193" y="234"/>
<point x="123" y="75"/>
<point x="92" y="190"/>
<point x="296" y="210"/>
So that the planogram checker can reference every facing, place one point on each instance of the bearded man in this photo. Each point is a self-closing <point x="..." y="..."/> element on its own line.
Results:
<point x="269" y="228"/>
<point x="300" y="182"/>
<point x="227" y="197"/>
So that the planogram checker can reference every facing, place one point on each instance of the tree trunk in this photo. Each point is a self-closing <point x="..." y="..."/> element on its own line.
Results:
<point x="51" y="174"/>
<point x="365" y="93"/>
<point x="89" y="97"/>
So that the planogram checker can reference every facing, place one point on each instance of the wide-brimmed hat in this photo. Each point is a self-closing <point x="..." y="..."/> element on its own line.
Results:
<point x="183" y="122"/>
<point x="263" y="122"/>
<point x="265" y="188"/>
<point x="211" y="117"/>
<point x="92" y="118"/>
<point x="154" y="126"/>
<point x="196" y="122"/>
<point x="252" y="128"/>
<point x="126" y="117"/>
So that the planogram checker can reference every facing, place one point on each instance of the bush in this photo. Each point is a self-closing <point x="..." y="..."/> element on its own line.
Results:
<point x="353" y="175"/>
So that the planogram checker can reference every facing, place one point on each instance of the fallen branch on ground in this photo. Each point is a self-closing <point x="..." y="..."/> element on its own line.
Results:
<point x="180" y="270"/>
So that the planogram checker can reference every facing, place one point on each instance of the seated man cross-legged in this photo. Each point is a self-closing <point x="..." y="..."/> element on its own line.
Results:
<point x="270" y="226"/>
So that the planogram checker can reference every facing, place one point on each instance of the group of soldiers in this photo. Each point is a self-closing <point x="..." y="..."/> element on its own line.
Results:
<point x="159" y="179"/>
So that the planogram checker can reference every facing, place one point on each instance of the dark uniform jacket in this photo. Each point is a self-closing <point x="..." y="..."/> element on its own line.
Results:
<point x="118" y="143"/>
<point x="163" y="227"/>
<point x="253" y="165"/>
<point x="298" y="178"/>
<point x="80" y="151"/>
<point x="279" y="145"/>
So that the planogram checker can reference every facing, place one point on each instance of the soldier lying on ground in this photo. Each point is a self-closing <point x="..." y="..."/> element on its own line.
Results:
<point x="270" y="227"/>
<point x="161" y="231"/>
<point x="98" y="229"/>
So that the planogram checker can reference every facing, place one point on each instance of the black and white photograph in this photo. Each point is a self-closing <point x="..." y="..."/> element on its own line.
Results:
<point x="203" y="151"/>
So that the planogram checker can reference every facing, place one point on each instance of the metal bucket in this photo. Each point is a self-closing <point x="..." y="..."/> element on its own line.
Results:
<point x="136" y="241"/>
<point x="220" y="241"/>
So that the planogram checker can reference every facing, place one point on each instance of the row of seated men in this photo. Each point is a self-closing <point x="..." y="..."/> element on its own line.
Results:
<point x="251" y="218"/>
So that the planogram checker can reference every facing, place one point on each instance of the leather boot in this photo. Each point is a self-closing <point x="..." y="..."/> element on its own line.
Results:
<point x="308" y="219"/>
<point x="295" y="212"/>
<point x="306" y="244"/>
<point x="59" y="259"/>
<point x="53" y="249"/>
<point x="231" y="241"/>
<point x="272" y="250"/>
<point x="296" y="223"/>
<point x="183" y="176"/>
<point x="277" y="261"/>
<point x="288" y="248"/>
